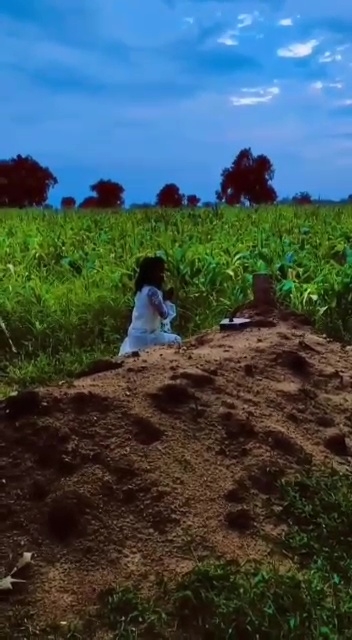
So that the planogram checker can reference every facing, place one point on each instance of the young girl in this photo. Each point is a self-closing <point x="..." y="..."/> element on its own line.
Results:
<point x="151" y="309"/>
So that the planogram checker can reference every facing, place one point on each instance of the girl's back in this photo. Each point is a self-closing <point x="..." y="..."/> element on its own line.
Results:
<point x="144" y="316"/>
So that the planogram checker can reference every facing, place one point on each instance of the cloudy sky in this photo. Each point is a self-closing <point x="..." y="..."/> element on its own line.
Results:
<point x="153" y="91"/>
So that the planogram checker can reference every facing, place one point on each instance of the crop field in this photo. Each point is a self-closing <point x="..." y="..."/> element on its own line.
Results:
<point x="262" y="458"/>
<point x="67" y="279"/>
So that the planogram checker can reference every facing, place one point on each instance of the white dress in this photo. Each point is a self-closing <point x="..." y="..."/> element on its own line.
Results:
<point x="148" y="328"/>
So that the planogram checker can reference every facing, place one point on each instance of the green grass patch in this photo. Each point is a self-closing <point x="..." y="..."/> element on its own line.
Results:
<point x="318" y="509"/>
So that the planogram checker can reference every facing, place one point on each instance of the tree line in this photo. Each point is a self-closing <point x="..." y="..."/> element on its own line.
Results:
<point x="25" y="183"/>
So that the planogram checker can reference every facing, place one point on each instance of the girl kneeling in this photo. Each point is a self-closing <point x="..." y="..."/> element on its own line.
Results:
<point x="153" y="311"/>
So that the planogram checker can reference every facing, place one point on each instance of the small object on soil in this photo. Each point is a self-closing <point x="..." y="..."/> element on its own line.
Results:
<point x="25" y="559"/>
<point x="99" y="366"/>
<point x="234" y="324"/>
<point x="6" y="583"/>
<point x="22" y="403"/>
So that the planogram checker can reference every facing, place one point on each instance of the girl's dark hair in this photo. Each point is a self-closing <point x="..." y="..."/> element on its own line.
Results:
<point x="148" y="273"/>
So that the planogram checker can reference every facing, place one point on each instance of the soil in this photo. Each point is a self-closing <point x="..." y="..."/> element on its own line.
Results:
<point x="173" y="456"/>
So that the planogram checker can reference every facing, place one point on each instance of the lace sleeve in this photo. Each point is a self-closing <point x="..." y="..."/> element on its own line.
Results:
<point x="155" y="299"/>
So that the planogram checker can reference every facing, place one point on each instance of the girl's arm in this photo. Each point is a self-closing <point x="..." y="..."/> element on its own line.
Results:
<point x="156" y="301"/>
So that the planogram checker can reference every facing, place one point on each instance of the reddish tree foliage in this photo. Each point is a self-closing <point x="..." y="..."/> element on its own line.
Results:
<point x="302" y="198"/>
<point x="170" y="197"/>
<point x="24" y="183"/>
<point x="68" y="202"/>
<point x="109" y="194"/>
<point x="192" y="201"/>
<point x="88" y="203"/>
<point x="247" y="180"/>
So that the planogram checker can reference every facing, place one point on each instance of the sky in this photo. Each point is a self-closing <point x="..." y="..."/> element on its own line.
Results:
<point x="147" y="92"/>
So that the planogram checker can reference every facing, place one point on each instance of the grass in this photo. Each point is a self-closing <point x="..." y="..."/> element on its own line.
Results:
<point x="67" y="279"/>
<point x="66" y="291"/>
<point x="216" y="601"/>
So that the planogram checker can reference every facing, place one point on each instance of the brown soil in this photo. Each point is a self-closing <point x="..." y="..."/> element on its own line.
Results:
<point x="173" y="456"/>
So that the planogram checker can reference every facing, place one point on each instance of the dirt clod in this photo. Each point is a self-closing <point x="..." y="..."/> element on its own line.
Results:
<point x="171" y="395"/>
<point x="146" y="432"/>
<point x="100" y="366"/>
<point x="23" y="403"/>
<point x="248" y="370"/>
<point x="326" y="421"/>
<point x="336" y="443"/>
<point x="234" y="495"/>
<point x="239" y="519"/>
<point x="197" y="380"/>
<point x="64" y="515"/>
<point x="296" y="362"/>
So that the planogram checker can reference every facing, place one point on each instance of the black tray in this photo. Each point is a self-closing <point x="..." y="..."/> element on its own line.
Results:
<point x="234" y="324"/>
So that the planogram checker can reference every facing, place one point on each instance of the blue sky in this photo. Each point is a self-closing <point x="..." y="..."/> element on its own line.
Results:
<point x="153" y="91"/>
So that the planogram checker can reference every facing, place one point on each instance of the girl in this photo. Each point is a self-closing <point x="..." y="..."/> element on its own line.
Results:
<point x="151" y="308"/>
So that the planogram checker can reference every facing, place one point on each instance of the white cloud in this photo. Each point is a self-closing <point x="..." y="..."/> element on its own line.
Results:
<point x="246" y="19"/>
<point x="298" y="49"/>
<point x="319" y="85"/>
<point x="328" y="56"/>
<point x="286" y="22"/>
<point x="188" y="20"/>
<point x="228" y="39"/>
<point x="264" y="95"/>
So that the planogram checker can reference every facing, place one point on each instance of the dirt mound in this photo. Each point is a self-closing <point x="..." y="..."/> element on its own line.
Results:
<point x="175" y="455"/>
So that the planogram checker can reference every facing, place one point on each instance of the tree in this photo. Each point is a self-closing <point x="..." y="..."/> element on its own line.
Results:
<point x="88" y="203"/>
<point x="192" y="201"/>
<point x="109" y="194"/>
<point x="301" y="198"/>
<point x="68" y="202"/>
<point x="24" y="183"/>
<point x="170" y="197"/>
<point x="248" y="180"/>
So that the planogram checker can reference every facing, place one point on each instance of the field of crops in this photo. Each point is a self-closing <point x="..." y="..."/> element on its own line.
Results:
<point x="67" y="279"/>
<point x="66" y="297"/>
